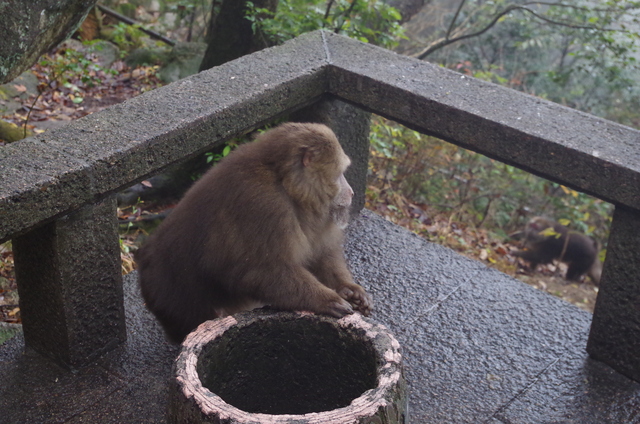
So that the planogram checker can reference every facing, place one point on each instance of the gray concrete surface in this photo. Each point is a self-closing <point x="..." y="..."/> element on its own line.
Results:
<point x="478" y="346"/>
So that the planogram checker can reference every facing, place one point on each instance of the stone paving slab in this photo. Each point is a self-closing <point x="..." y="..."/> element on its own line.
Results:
<point x="576" y="390"/>
<point x="34" y="390"/>
<point x="478" y="346"/>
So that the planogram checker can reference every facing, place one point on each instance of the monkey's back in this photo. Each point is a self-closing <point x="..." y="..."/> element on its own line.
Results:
<point x="187" y="265"/>
<point x="238" y="218"/>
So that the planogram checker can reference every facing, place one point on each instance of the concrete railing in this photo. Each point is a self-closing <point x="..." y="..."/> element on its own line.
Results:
<point x="56" y="197"/>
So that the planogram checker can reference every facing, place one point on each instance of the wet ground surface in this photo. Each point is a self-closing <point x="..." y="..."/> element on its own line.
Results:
<point x="478" y="347"/>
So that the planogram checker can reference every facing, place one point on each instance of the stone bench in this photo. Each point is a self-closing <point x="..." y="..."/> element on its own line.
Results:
<point x="57" y="204"/>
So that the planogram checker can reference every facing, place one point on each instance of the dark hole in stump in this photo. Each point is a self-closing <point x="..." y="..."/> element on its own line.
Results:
<point x="291" y="367"/>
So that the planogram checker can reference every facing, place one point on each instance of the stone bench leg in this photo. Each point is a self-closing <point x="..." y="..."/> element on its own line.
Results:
<point x="70" y="285"/>
<point x="615" y="330"/>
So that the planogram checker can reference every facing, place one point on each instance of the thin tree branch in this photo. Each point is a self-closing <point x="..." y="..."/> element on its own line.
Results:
<point x="455" y="18"/>
<point x="570" y="6"/>
<point x="26" y="120"/>
<point x="129" y="21"/>
<point x="567" y="23"/>
<point x="52" y="78"/>
<point x="346" y="14"/>
<point x="445" y="41"/>
<point x="326" y="13"/>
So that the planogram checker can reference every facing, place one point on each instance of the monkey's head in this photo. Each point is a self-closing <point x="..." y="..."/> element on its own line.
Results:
<point x="539" y="228"/>
<point x="311" y="163"/>
<point x="538" y="223"/>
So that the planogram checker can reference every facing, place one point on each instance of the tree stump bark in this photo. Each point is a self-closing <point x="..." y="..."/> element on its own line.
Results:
<point x="289" y="367"/>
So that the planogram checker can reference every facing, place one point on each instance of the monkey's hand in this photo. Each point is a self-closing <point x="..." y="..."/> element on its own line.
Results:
<point x="338" y="308"/>
<point x="358" y="298"/>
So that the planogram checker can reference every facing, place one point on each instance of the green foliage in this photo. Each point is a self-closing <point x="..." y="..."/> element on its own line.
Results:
<point x="69" y="65"/>
<point x="8" y="332"/>
<point x="370" y="21"/>
<point x="581" y="54"/>
<point x="126" y="37"/>
<point x="472" y="188"/>
<point x="572" y="52"/>
<point x="182" y="8"/>
<point x="213" y="157"/>
<point x="69" y="68"/>
<point x="192" y="16"/>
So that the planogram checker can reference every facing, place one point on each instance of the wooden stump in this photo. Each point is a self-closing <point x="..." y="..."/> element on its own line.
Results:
<point x="289" y="367"/>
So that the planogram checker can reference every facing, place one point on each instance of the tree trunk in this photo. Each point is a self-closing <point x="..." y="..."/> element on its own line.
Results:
<point x="230" y="35"/>
<point x="329" y="372"/>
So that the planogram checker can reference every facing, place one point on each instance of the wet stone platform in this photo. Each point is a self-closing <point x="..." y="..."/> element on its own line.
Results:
<point x="478" y="347"/>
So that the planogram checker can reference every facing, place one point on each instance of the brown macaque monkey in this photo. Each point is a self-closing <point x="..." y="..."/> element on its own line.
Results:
<point x="546" y="240"/>
<point x="262" y="227"/>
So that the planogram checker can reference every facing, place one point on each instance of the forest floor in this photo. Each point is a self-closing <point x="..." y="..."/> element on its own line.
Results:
<point x="54" y="104"/>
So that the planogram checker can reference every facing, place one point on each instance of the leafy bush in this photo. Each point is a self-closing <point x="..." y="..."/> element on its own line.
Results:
<point x="370" y="21"/>
<point x="472" y="188"/>
<point x="580" y="54"/>
<point x="126" y="37"/>
<point x="69" y="64"/>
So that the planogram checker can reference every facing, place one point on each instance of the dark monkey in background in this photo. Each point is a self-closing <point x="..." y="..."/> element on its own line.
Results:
<point x="262" y="227"/>
<point x="546" y="240"/>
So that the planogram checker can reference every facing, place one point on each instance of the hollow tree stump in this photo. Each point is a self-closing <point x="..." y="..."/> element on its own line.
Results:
<point x="289" y="367"/>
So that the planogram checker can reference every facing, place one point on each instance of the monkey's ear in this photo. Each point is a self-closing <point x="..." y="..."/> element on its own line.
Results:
<point x="307" y="156"/>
